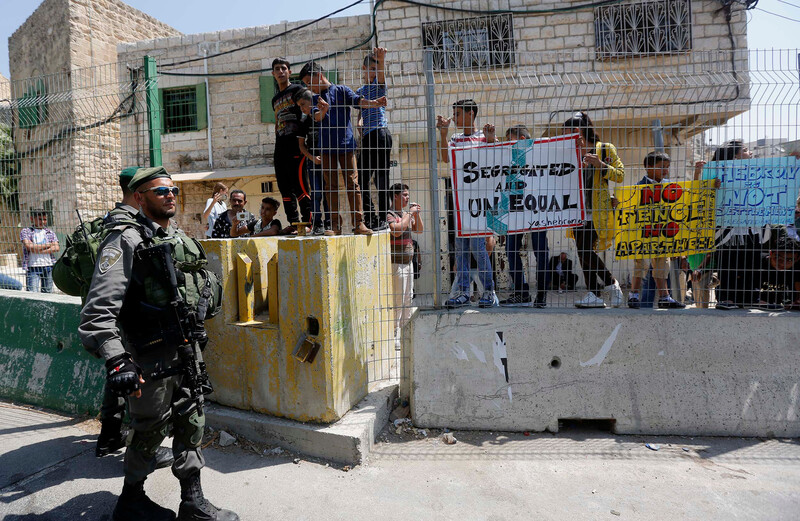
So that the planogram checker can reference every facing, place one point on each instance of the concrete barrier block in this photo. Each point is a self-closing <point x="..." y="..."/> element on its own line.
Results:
<point x="689" y="372"/>
<point x="42" y="361"/>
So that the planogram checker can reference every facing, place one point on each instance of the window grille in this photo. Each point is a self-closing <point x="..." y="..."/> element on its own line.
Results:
<point x="646" y="28"/>
<point x="470" y="43"/>
<point x="180" y="109"/>
<point x="267" y="187"/>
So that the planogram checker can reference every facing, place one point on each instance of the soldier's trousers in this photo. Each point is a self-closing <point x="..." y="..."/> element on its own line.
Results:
<point x="165" y="406"/>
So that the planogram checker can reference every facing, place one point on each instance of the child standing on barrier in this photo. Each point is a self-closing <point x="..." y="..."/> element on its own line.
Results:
<point x="464" y="114"/>
<point x="307" y="141"/>
<point x="656" y="164"/>
<point x="337" y="144"/>
<point x="376" y="142"/>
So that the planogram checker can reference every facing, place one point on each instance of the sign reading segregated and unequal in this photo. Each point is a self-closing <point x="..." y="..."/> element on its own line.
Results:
<point x="665" y="220"/>
<point x="755" y="192"/>
<point x="516" y="187"/>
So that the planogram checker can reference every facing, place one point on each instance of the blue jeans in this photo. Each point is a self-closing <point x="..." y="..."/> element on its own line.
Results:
<point x="39" y="278"/>
<point x="318" y="200"/>
<point x="7" y="282"/>
<point x="466" y="246"/>
<point x="517" y="270"/>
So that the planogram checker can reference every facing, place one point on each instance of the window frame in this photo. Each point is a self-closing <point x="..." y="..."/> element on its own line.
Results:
<point x="200" y="104"/>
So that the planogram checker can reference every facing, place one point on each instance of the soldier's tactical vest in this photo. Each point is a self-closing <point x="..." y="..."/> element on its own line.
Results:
<point x="148" y="316"/>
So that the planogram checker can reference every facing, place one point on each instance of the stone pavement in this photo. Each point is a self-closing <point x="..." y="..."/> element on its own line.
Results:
<point x="48" y="472"/>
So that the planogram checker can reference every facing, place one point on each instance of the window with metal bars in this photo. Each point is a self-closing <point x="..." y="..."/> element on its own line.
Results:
<point x="643" y="28"/>
<point x="184" y="108"/>
<point x="470" y="43"/>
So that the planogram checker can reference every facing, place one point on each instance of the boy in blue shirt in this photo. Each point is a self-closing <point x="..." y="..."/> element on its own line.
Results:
<point x="376" y="141"/>
<point x="337" y="144"/>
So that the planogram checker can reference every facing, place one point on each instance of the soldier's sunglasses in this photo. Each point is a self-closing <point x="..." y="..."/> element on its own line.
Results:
<point x="162" y="191"/>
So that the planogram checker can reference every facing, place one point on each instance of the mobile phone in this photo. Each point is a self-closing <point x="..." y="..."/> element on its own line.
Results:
<point x="223" y="197"/>
<point x="241" y="216"/>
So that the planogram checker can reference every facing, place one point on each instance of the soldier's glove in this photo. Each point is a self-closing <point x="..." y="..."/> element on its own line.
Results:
<point x="122" y="374"/>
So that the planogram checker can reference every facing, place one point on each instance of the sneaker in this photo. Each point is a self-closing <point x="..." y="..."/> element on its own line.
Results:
<point x="669" y="303"/>
<point x="614" y="294"/>
<point x="318" y="229"/>
<point x="457" y="301"/>
<point x="633" y="303"/>
<point x="541" y="300"/>
<point x="590" y="301"/>
<point x="766" y="306"/>
<point x="516" y="301"/>
<point x="726" y="305"/>
<point x="488" y="300"/>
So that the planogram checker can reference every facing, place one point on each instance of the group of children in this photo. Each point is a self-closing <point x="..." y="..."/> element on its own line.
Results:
<point x="315" y="141"/>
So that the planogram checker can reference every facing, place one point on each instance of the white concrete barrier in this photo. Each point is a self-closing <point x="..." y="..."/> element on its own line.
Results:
<point x="690" y="372"/>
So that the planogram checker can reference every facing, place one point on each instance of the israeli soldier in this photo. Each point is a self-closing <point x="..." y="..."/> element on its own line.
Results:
<point x="112" y="411"/>
<point x="134" y="317"/>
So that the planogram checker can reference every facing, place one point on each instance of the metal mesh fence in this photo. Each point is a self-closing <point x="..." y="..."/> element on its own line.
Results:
<point x="531" y="179"/>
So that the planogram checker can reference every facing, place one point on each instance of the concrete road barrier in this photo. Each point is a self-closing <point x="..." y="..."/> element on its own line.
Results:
<point x="690" y="372"/>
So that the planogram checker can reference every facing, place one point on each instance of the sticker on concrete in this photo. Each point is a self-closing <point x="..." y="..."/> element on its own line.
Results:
<point x="601" y="355"/>
<point x="459" y="353"/>
<point x="500" y="356"/>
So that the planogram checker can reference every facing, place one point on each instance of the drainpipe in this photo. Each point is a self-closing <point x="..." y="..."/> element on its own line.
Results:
<point x="208" y="112"/>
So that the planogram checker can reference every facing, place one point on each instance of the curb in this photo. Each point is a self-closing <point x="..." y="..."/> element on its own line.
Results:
<point x="348" y="441"/>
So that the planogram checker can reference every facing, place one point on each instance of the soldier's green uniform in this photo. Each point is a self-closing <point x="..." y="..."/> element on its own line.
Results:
<point x="122" y="315"/>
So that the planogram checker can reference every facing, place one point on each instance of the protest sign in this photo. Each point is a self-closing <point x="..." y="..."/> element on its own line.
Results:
<point x="517" y="187"/>
<point x="664" y="220"/>
<point x="755" y="192"/>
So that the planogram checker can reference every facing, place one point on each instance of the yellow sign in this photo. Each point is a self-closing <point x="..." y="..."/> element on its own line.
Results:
<point x="665" y="220"/>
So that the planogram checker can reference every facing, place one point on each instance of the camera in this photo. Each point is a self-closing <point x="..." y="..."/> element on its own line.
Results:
<point x="241" y="216"/>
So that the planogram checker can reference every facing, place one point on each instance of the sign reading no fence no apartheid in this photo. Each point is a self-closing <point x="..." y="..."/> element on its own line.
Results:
<point x="517" y="187"/>
<point x="755" y="192"/>
<point x="663" y="220"/>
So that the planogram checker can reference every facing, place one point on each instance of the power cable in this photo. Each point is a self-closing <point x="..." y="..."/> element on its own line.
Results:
<point x="373" y="31"/>
<point x="778" y="15"/>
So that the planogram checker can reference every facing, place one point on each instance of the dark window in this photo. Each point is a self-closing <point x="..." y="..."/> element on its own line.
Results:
<point x="180" y="109"/>
<point x="470" y="43"/>
<point x="267" y="187"/>
<point x="643" y="28"/>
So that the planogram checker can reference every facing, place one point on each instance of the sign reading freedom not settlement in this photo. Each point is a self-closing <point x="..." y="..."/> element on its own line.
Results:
<point x="517" y="187"/>
<point x="664" y="220"/>
<point x="755" y="192"/>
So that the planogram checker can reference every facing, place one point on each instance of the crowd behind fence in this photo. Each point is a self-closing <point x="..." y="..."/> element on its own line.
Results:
<point x="556" y="179"/>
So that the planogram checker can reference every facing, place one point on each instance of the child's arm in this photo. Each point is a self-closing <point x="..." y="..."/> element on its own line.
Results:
<point x="322" y="110"/>
<point x="380" y="55"/>
<point x="301" y="142"/>
<point x="442" y="123"/>
<point x="416" y="223"/>
<point x="268" y="232"/>
<point x="372" y="103"/>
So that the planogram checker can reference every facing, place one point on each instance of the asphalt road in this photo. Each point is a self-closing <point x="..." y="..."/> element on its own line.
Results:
<point x="48" y="472"/>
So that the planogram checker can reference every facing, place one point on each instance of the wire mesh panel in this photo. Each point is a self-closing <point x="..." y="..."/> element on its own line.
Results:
<point x="616" y="156"/>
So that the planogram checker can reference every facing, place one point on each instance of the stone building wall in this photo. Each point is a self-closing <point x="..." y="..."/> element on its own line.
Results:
<point x="67" y="47"/>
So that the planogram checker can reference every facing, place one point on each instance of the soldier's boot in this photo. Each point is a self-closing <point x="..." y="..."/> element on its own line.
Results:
<point x="110" y="438"/>
<point x="194" y="505"/>
<point x="134" y="505"/>
<point x="164" y="457"/>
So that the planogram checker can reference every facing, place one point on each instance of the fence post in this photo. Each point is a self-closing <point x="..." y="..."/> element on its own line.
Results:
<point x="658" y="134"/>
<point x="433" y="150"/>
<point x="153" y="110"/>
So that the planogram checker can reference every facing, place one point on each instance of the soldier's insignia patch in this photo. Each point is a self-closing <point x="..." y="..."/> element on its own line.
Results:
<point x="108" y="258"/>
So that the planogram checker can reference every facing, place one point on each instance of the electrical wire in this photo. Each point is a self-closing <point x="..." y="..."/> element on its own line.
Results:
<point x="284" y="33"/>
<point x="778" y="15"/>
<point x="373" y="31"/>
<point x="789" y="3"/>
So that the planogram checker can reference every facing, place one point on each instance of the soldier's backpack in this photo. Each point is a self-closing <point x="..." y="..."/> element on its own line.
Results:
<point x="72" y="272"/>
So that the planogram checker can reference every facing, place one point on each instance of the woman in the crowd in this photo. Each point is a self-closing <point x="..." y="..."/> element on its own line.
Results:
<point x="601" y="164"/>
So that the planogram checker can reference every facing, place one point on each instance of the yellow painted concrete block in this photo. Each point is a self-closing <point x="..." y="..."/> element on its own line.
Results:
<point x="343" y="283"/>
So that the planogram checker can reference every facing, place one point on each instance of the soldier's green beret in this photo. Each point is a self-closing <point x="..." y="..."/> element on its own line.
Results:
<point x="144" y="175"/>
<point x="127" y="173"/>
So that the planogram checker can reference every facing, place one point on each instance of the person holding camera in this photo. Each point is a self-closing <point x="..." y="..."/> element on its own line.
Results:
<point x="236" y="221"/>
<point x="215" y="205"/>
